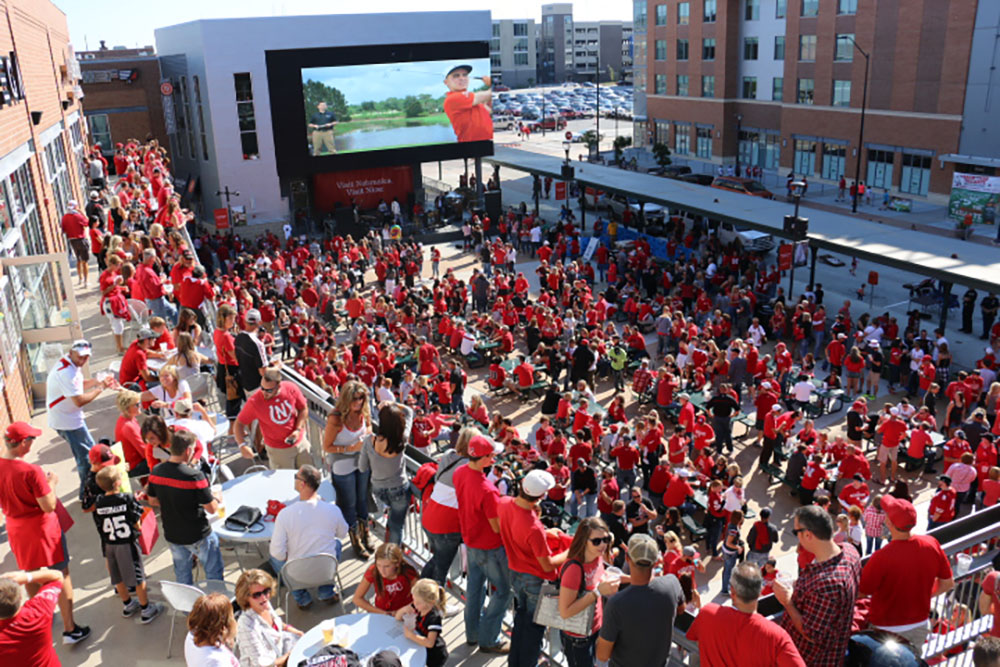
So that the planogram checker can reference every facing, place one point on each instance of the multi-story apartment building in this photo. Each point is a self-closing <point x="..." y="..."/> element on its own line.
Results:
<point x="513" y="51"/>
<point x="581" y="50"/>
<point x="781" y="83"/>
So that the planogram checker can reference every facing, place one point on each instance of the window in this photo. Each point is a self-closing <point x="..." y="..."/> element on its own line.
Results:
<point x="781" y="9"/>
<point x="752" y="12"/>
<point x="841" y="93"/>
<point x="880" y="168"/>
<point x="495" y="62"/>
<point x="662" y="132"/>
<point x="682" y="139"/>
<point x="201" y="119"/>
<point x="703" y="142"/>
<point x="708" y="86"/>
<point x="661" y="84"/>
<point x="834" y="156"/>
<point x="805" y="91"/>
<point x="520" y="58"/>
<point x="245" y="113"/>
<point x="779" y="47"/>
<point x="810" y="7"/>
<point x="708" y="49"/>
<point x="100" y="129"/>
<point x="661" y="49"/>
<point x="661" y="15"/>
<point x="847" y="7"/>
<point x="682" y="85"/>
<point x="749" y="87"/>
<point x="845" y="47"/>
<point x="496" y="29"/>
<point x="749" y="48"/>
<point x="23" y="210"/>
<point x="805" y="157"/>
<point x="639" y="16"/>
<point x="682" y="49"/>
<point x="520" y="30"/>
<point x="521" y="45"/>
<point x="57" y="174"/>
<point x="495" y="45"/>
<point x="683" y="13"/>
<point x="778" y="88"/>
<point x="916" y="174"/>
<point x="807" y="47"/>
<point x="708" y="16"/>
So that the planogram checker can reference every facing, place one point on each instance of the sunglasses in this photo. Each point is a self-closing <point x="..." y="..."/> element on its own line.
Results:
<point x="266" y="593"/>
<point x="796" y="531"/>
<point x="598" y="541"/>
<point x="269" y="390"/>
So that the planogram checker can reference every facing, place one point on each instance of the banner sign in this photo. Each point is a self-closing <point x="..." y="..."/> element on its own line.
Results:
<point x="785" y="253"/>
<point x="560" y="190"/>
<point x="975" y="194"/>
<point x="365" y="187"/>
<point x="221" y="218"/>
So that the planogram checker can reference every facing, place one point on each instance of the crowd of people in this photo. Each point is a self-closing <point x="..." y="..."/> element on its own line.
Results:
<point x="591" y="497"/>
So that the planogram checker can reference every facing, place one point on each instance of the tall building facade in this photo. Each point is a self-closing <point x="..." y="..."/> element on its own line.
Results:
<point x="43" y="141"/>
<point x="513" y="51"/>
<point x="781" y="83"/>
<point x="571" y="50"/>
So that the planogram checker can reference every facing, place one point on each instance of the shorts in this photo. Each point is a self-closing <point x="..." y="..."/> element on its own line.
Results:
<point x="759" y="424"/>
<point x="117" y="325"/>
<point x="124" y="564"/>
<point x="62" y="565"/>
<point x="853" y="375"/>
<point x="81" y="249"/>
<point x="887" y="454"/>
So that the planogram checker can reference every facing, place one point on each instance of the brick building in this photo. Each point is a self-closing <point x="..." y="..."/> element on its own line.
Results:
<point x="122" y="97"/>
<point x="779" y="83"/>
<point x="42" y="141"/>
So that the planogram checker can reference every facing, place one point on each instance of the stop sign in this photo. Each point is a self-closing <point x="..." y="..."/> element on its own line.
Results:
<point x="569" y="135"/>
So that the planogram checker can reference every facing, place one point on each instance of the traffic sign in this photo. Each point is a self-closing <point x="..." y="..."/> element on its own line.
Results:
<point x="569" y="135"/>
<point x="166" y="89"/>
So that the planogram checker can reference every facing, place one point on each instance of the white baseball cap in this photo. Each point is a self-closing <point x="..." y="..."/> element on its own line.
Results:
<point x="81" y="346"/>
<point x="537" y="483"/>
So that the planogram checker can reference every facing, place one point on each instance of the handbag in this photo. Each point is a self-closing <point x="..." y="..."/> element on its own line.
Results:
<point x="245" y="520"/>
<point x="65" y="520"/>
<point x="149" y="531"/>
<point x="547" y="610"/>
<point x="232" y="386"/>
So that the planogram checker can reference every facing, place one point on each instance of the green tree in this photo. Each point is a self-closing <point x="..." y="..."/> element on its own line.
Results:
<point x="315" y="92"/>
<point x="592" y="142"/>
<point x="621" y="142"/>
<point x="412" y="107"/>
<point x="662" y="154"/>
<point x="368" y="106"/>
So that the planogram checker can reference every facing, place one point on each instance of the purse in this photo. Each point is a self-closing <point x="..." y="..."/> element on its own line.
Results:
<point x="65" y="520"/>
<point x="547" y="610"/>
<point x="232" y="386"/>
<point x="245" y="520"/>
<point x="149" y="531"/>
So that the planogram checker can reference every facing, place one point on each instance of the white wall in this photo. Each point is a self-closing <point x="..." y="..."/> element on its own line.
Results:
<point x="765" y="68"/>
<point x="218" y="48"/>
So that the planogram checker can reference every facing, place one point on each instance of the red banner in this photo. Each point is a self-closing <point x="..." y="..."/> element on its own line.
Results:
<point x="363" y="186"/>
<point x="873" y="277"/>
<point x="560" y="189"/>
<point x="221" y="218"/>
<point x="785" y="253"/>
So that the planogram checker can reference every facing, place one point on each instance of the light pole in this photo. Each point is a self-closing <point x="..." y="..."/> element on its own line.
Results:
<point x="739" y="129"/>
<point x="861" y="131"/>
<point x="798" y="187"/>
<point x="227" y="193"/>
<point x="597" y="110"/>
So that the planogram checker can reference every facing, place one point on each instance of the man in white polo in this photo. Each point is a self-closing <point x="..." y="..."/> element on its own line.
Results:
<point x="66" y="392"/>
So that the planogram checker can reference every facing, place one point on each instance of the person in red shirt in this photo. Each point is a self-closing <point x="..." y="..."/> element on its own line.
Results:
<point x="686" y="415"/>
<point x="469" y="112"/>
<point x="134" y="368"/>
<point x="74" y="225"/>
<point x="812" y="477"/>
<point x="892" y="430"/>
<point x="989" y="599"/>
<point x="391" y="576"/>
<point x="678" y="493"/>
<point x="855" y="493"/>
<point x="627" y="458"/>
<point x="281" y="411"/>
<point x="739" y="635"/>
<point x="525" y="374"/>
<point x="26" y="634"/>
<point x="942" y="506"/>
<point x="478" y="500"/>
<point x="904" y="575"/>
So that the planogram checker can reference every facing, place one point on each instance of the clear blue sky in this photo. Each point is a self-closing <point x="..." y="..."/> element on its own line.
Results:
<point x="132" y="24"/>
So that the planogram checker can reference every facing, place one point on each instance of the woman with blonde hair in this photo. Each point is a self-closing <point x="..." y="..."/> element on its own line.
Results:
<point x="427" y="608"/>
<point x="347" y="427"/>
<point x="261" y="636"/>
<point x="128" y="431"/>
<point x="211" y="632"/>
<point x="188" y="359"/>
<point x="116" y="214"/>
<point x="170" y="390"/>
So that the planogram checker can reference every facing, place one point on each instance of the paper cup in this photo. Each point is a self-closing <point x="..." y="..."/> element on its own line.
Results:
<point x="328" y="627"/>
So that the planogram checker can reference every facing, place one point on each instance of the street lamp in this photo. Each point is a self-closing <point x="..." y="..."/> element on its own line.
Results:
<point x="739" y="129"/>
<point x="567" y="145"/>
<point x="861" y="131"/>
<point x="796" y="227"/>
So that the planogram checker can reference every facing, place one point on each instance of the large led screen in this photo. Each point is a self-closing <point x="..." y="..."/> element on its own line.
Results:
<point x="396" y="105"/>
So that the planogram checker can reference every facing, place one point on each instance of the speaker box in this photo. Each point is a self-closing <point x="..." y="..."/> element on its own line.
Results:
<point x="797" y="228"/>
<point x="568" y="172"/>
<point x="494" y="206"/>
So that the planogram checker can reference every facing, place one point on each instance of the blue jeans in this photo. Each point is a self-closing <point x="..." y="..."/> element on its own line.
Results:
<point x="352" y="496"/>
<point x="486" y="566"/>
<point x="302" y="597"/>
<point x="444" y="547"/>
<point x="589" y="505"/>
<point x="207" y="551"/>
<point x="163" y="308"/>
<point x="398" y="501"/>
<point x="626" y="480"/>
<point x="80" y="442"/>
<point x="873" y="544"/>
<point x="579" y="651"/>
<point x="728" y="565"/>
<point x="526" y="637"/>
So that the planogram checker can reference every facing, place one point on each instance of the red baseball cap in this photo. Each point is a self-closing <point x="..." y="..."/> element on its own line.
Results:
<point x="901" y="513"/>
<point x="102" y="455"/>
<point x="19" y="431"/>
<point x="480" y="445"/>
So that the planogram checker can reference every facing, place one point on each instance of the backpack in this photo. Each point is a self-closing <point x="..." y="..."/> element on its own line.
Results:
<point x="423" y="480"/>
<point x="119" y="306"/>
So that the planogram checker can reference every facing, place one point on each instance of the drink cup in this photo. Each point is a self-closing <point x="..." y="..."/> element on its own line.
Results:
<point x="785" y="579"/>
<point x="329" y="627"/>
<point x="612" y="574"/>
<point x="163" y="347"/>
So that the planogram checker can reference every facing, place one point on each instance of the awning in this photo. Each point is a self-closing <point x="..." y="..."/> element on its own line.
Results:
<point x="979" y="160"/>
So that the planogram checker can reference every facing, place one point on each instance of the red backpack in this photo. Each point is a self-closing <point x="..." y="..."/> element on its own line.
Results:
<point x="423" y="480"/>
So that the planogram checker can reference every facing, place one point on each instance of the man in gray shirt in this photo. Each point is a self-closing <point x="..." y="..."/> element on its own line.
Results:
<point x="639" y="621"/>
<point x="663" y="325"/>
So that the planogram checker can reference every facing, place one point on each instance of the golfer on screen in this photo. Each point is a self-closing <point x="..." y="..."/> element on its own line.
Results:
<point x="321" y="123"/>
<point x="471" y="114"/>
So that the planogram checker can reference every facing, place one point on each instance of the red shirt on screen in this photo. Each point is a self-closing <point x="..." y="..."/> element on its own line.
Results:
<point x="470" y="122"/>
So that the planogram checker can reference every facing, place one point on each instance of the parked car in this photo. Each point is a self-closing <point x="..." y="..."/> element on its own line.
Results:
<point x="504" y="123"/>
<point x="549" y="123"/>
<point x="616" y="203"/>
<point x="670" y="171"/>
<point x="697" y="179"/>
<point x="745" y="186"/>
<point x="751" y="240"/>
<point x="499" y="87"/>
